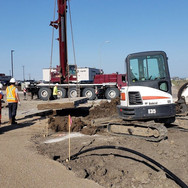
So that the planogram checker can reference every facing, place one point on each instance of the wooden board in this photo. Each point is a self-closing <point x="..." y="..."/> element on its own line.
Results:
<point x="61" y="103"/>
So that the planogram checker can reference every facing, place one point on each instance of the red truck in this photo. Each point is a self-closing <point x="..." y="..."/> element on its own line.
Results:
<point x="69" y="85"/>
<point x="103" y="86"/>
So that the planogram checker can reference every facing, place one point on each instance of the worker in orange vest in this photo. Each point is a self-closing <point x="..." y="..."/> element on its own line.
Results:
<point x="1" y="97"/>
<point x="13" y="100"/>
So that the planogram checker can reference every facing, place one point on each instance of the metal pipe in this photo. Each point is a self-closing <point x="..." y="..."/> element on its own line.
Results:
<point x="12" y="63"/>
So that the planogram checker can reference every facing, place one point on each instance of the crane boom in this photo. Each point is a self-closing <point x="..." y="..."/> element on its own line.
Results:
<point x="61" y="24"/>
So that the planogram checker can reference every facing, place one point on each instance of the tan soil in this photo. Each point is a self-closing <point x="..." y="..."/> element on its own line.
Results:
<point x="111" y="167"/>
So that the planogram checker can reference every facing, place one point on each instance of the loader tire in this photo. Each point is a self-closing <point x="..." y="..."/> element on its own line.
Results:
<point x="44" y="93"/>
<point x="112" y="93"/>
<point x="184" y="86"/>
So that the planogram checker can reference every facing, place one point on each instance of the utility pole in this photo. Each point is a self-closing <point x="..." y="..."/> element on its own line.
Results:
<point x="23" y="73"/>
<point x="12" y="63"/>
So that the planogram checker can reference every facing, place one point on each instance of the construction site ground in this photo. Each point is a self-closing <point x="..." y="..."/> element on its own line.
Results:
<point x="35" y="152"/>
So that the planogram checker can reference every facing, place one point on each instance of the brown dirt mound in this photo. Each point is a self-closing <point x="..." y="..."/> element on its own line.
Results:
<point x="61" y="124"/>
<point x="104" y="109"/>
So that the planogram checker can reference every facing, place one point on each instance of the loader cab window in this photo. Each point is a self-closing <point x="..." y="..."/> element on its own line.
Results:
<point x="146" y="68"/>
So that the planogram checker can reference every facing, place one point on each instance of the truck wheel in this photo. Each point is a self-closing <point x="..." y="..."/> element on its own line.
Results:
<point x="89" y="93"/>
<point x="112" y="93"/>
<point x="73" y="93"/>
<point x="61" y="92"/>
<point x="44" y="93"/>
<point x="182" y="90"/>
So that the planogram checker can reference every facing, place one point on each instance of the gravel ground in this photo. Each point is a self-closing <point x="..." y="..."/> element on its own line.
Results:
<point x="35" y="156"/>
<point x="20" y="163"/>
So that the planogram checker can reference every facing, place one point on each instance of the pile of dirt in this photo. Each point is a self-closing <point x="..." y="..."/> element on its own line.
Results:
<point x="60" y="124"/>
<point x="104" y="109"/>
<point x="83" y="124"/>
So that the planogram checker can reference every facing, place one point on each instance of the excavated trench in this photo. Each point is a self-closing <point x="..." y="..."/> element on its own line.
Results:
<point x="112" y="167"/>
<point x="82" y="117"/>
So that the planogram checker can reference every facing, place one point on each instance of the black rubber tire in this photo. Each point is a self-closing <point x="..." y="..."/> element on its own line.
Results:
<point x="44" y="93"/>
<point x="112" y="93"/>
<point x="89" y="93"/>
<point x="73" y="92"/>
<point x="181" y="90"/>
<point x="62" y="93"/>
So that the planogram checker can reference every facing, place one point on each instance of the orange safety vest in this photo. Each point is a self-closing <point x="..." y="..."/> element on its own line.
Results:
<point x="1" y="96"/>
<point x="11" y="94"/>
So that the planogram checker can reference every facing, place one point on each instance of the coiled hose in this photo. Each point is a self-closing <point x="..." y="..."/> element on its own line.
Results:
<point x="168" y="172"/>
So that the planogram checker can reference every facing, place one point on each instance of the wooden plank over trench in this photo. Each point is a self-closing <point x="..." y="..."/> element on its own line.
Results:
<point x="61" y="103"/>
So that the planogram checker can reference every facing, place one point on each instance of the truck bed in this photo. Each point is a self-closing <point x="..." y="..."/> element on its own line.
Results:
<point x="61" y="103"/>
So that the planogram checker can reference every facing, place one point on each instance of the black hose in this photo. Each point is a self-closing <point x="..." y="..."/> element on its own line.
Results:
<point x="168" y="172"/>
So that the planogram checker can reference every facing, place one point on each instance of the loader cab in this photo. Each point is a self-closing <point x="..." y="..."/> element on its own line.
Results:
<point x="149" y="69"/>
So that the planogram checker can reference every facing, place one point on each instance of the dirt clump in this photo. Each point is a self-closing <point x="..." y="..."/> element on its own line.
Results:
<point x="60" y="123"/>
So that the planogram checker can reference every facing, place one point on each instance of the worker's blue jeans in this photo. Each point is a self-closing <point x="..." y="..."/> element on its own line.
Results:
<point x="12" y="110"/>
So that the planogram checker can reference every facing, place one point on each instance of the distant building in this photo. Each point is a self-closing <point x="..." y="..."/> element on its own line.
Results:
<point x="175" y="78"/>
<point x="178" y="79"/>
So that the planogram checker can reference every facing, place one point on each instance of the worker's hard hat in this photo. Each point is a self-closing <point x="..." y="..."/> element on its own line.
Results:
<point x="1" y="85"/>
<point x="12" y="80"/>
<point x="56" y="84"/>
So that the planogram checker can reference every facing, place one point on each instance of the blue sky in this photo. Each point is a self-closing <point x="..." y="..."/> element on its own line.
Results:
<point x="130" y="26"/>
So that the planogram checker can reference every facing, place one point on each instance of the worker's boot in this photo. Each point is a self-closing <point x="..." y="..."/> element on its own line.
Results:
<point x="13" y="121"/>
<point x="10" y="121"/>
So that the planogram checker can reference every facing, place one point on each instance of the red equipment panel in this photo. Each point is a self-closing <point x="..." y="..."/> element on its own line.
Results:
<point x="119" y="79"/>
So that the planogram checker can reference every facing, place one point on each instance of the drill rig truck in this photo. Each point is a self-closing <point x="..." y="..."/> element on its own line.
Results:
<point x="67" y="76"/>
